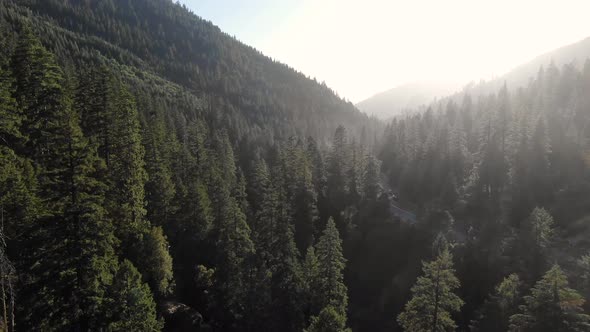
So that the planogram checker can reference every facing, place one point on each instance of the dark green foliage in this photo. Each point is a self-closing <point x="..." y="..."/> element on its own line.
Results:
<point x="73" y="265"/>
<point x="433" y="301"/>
<point x="502" y="304"/>
<point x="331" y="289"/>
<point x="163" y="38"/>
<point x="133" y="307"/>
<point x="134" y="131"/>
<point x="552" y="306"/>
<point x="329" y="320"/>
<point x="158" y="262"/>
<point x="503" y="175"/>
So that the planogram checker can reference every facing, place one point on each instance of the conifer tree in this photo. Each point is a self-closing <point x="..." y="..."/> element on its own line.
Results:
<point x="329" y="320"/>
<point x="539" y="164"/>
<point x="371" y="186"/>
<point x="158" y="262"/>
<point x="300" y="193"/>
<point x="317" y="166"/>
<point x="337" y="171"/>
<point x="160" y="189"/>
<point x="71" y="264"/>
<point x="331" y="288"/>
<point x="311" y="277"/>
<point x="287" y="281"/>
<point x="126" y="166"/>
<point x="232" y="241"/>
<point x="540" y="228"/>
<point x="10" y="120"/>
<point x="39" y="94"/>
<point x="133" y="308"/>
<point x="500" y="306"/>
<point x="552" y="306"/>
<point x="264" y="209"/>
<point x="433" y="300"/>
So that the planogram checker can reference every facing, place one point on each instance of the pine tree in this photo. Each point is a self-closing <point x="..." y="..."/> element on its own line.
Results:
<point x="264" y="201"/>
<point x="19" y="205"/>
<point x="540" y="228"/>
<point x="337" y="170"/>
<point x="329" y="320"/>
<point x="317" y="166"/>
<point x="492" y="167"/>
<point x="287" y="281"/>
<point x="304" y="199"/>
<point x="311" y="276"/>
<point x="234" y="248"/>
<point x="39" y="95"/>
<point x="500" y="306"/>
<point x="540" y="184"/>
<point x="158" y="262"/>
<point x="433" y="300"/>
<point x="233" y="244"/>
<point x="126" y="167"/>
<point x="10" y="119"/>
<point x="552" y="306"/>
<point x="133" y="307"/>
<point x="160" y="189"/>
<point x="71" y="264"/>
<point x="110" y="119"/>
<point x="353" y="176"/>
<point x="331" y="288"/>
<point x="371" y="186"/>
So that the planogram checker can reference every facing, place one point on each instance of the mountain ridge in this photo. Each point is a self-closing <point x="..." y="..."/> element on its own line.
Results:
<point x="392" y="102"/>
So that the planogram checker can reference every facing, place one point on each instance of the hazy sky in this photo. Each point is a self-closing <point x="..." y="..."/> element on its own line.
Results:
<point x="363" y="47"/>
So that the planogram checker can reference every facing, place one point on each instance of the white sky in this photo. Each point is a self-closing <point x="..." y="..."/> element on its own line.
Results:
<point x="363" y="47"/>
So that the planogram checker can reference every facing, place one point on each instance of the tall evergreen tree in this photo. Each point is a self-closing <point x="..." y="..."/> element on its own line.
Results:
<point x="158" y="262"/>
<point x="433" y="300"/>
<point x="552" y="306"/>
<point x="72" y="263"/>
<point x="501" y="305"/>
<point x="337" y="168"/>
<point x="133" y="308"/>
<point x="160" y="190"/>
<point x="233" y="244"/>
<point x="329" y="320"/>
<point x="331" y="288"/>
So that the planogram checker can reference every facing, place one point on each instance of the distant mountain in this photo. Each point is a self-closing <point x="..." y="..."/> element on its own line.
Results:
<point x="413" y="95"/>
<point x="575" y="54"/>
<point x="404" y="97"/>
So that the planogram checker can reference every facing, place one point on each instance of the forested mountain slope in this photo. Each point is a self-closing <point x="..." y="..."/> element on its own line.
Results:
<point x="158" y="38"/>
<point x="504" y="178"/>
<point x="574" y="54"/>
<point x="411" y="96"/>
<point x="155" y="173"/>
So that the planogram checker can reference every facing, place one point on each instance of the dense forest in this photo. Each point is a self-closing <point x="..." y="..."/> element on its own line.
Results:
<point x="503" y="181"/>
<point x="157" y="174"/>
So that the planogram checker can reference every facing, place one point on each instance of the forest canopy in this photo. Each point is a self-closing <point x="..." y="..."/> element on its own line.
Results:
<point x="152" y="182"/>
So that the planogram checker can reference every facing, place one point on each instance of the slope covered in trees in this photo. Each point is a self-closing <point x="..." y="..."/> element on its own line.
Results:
<point x="148" y="182"/>
<point x="504" y="178"/>
<point x="154" y="42"/>
<point x="417" y="96"/>
<point x="122" y="192"/>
